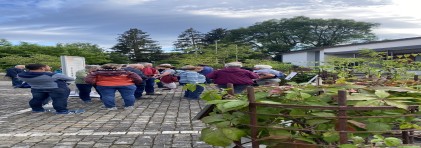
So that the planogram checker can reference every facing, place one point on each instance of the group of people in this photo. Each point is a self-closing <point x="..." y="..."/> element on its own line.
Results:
<point x="132" y="80"/>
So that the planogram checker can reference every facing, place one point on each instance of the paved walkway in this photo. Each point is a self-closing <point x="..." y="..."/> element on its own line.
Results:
<point x="157" y="121"/>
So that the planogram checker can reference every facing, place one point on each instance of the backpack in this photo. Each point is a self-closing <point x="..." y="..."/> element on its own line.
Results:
<point x="148" y="71"/>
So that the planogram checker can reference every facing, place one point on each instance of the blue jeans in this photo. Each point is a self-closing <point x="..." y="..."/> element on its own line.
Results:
<point x="238" y="88"/>
<point x="16" y="82"/>
<point x="84" y="91"/>
<point x="108" y="94"/>
<point x="193" y="94"/>
<point x="139" y="90"/>
<point x="149" y="85"/>
<point x="58" y="95"/>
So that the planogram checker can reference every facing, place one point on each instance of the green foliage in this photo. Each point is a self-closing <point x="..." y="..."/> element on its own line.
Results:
<point x="321" y="124"/>
<point x="26" y="53"/>
<point x="280" y="35"/>
<point x="138" y="46"/>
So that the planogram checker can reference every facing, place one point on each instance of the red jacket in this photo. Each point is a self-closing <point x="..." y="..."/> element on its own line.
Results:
<point x="113" y="77"/>
<point x="233" y="75"/>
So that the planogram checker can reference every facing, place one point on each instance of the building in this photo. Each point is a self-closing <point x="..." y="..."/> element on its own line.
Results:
<point x="314" y="56"/>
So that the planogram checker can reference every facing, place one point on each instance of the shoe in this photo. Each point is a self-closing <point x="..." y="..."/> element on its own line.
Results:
<point x="112" y="108"/>
<point x="71" y="112"/>
<point x="128" y="107"/>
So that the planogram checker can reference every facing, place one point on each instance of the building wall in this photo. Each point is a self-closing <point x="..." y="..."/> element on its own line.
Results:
<point x="374" y="46"/>
<point x="296" y="58"/>
<point x="311" y="58"/>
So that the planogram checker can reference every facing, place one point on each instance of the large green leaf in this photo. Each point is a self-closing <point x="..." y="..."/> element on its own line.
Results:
<point x="357" y="96"/>
<point x="316" y="121"/>
<point x="215" y="137"/>
<point x="347" y="146"/>
<point x="232" y="105"/>
<point x="305" y="95"/>
<point x="323" y="114"/>
<point x="392" y="141"/>
<point x="218" y="101"/>
<point x="369" y="103"/>
<point x="211" y="95"/>
<point x="213" y="119"/>
<point x="234" y="133"/>
<point x="331" y="136"/>
<point x="279" y="132"/>
<point x="378" y="126"/>
<point x="269" y="102"/>
<point x="382" y="94"/>
<point x="396" y="104"/>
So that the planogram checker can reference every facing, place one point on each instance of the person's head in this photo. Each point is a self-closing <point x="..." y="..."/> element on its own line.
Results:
<point x="166" y="66"/>
<point x="257" y="67"/>
<point x="136" y="66"/>
<point x="111" y="66"/>
<point x="148" y="65"/>
<point x="189" y="67"/>
<point x="20" y="66"/>
<point x="234" y="65"/>
<point x="38" y="67"/>
<point x="91" y="68"/>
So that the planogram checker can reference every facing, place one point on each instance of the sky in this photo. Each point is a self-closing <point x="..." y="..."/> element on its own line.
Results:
<point x="48" y="22"/>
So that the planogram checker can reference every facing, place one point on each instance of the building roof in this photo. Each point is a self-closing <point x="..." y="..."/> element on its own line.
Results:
<point x="356" y="44"/>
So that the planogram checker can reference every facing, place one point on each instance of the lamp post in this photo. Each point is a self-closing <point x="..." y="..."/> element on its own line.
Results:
<point x="216" y="51"/>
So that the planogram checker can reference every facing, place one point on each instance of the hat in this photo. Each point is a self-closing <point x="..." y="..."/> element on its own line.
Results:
<point x="188" y="67"/>
<point x="262" y="66"/>
<point x="234" y="64"/>
<point x="166" y="65"/>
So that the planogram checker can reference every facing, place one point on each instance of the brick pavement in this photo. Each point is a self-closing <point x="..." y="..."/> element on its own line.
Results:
<point x="156" y="121"/>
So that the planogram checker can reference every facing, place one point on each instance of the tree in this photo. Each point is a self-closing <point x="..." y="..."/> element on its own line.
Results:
<point x="189" y="41"/>
<point x="92" y="53"/>
<point x="214" y="35"/>
<point x="4" y="42"/>
<point x="278" y="36"/>
<point x="138" y="46"/>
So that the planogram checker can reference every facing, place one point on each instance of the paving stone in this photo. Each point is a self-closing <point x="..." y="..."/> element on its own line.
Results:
<point x="158" y="121"/>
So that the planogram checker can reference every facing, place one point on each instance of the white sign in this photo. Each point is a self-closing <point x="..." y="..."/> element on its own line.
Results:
<point x="71" y="64"/>
<point x="291" y="75"/>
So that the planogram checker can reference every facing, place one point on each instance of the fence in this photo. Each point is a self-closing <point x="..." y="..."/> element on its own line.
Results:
<point x="341" y="117"/>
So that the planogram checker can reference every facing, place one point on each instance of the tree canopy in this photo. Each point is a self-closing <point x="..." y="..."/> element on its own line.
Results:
<point x="280" y="35"/>
<point x="137" y="46"/>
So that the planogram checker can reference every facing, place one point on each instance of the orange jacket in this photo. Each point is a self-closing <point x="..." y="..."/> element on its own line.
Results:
<point x="113" y="77"/>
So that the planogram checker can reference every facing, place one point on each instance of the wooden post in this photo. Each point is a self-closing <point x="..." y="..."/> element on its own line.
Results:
<point x="230" y="91"/>
<point x="415" y="77"/>
<point x="253" y="117"/>
<point x="342" y="121"/>
<point x="230" y="87"/>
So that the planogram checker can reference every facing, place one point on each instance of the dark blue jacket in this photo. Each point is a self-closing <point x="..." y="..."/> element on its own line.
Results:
<point x="13" y="72"/>
<point x="45" y="80"/>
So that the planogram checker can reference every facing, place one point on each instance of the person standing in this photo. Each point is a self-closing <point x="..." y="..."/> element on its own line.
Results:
<point x="111" y="78"/>
<point x="168" y="77"/>
<point x="13" y="73"/>
<point x="151" y="73"/>
<point x="267" y="76"/>
<point x="205" y="71"/>
<point x="84" y="88"/>
<point x="191" y="76"/>
<point x="45" y="84"/>
<point x="232" y="73"/>
<point x="137" y="69"/>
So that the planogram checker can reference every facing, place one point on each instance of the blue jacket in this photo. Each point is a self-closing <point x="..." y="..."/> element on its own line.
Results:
<point x="191" y="77"/>
<point x="45" y="80"/>
<point x="13" y="72"/>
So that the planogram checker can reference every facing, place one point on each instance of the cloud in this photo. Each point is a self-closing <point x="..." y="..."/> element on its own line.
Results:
<point x="101" y="21"/>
